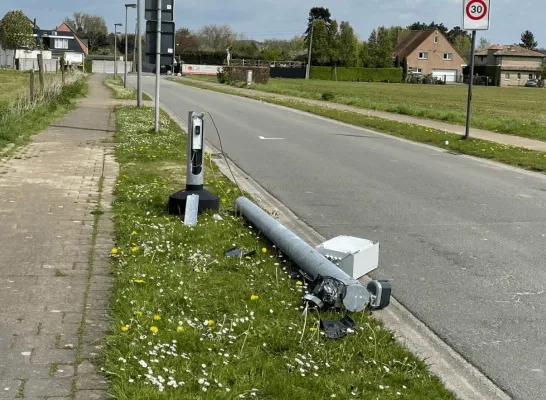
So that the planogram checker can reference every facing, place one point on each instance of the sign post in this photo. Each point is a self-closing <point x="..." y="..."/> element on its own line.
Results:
<point x="475" y="18"/>
<point x="157" y="66"/>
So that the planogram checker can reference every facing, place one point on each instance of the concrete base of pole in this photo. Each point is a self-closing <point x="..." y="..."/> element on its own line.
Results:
<point x="207" y="201"/>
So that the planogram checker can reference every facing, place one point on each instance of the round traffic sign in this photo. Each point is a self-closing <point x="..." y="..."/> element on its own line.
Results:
<point x="476" y="9"/>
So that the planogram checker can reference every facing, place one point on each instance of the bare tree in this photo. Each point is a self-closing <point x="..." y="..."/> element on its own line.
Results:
<point x="91" y="27"/>
<point x="215" y="37"/>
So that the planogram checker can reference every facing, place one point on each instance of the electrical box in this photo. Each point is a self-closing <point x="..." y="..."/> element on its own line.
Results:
<point x="354" y="256"/>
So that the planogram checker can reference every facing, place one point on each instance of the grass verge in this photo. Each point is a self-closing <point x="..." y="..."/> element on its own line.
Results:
<point x="511" y="155"/>
<point x="190" y="323"/>
<point x="18" y="125"/>
<point x="120" y="92"/>
<point x="12" y="83"/>
<point x="516" y="111"/>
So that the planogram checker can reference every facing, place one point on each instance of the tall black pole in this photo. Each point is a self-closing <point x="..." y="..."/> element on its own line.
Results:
<point x="470" y="82"/>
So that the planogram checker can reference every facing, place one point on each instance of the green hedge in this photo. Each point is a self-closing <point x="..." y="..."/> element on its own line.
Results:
<point x="357" y="74"/>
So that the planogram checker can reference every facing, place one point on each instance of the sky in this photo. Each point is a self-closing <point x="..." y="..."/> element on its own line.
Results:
<point x="262" y="19"/>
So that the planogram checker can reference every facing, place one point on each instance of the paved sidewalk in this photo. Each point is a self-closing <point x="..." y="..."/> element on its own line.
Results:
<point x="510" y="140"/>
<point x="54" y="272"/>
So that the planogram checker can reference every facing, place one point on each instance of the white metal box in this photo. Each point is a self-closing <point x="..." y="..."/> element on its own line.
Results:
<point x="355" y="256"/>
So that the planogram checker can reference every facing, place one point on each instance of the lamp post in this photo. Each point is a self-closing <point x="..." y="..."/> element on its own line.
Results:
<point x="116" y="49"/>
<point x="127" y="6"/>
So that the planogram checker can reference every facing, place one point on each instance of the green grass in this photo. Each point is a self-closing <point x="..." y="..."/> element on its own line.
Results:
<point x="517" y="111"/>
<point x="17" y="125"/>
<point x="122" y="93"/>
<point x="512" y="155"/>
<point x="210" y="333"/>
<point x="13" y="83"/>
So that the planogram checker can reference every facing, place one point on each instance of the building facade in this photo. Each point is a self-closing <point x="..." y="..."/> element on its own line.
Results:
<point x="517" y="64"/>
<point x="430" y="53"/>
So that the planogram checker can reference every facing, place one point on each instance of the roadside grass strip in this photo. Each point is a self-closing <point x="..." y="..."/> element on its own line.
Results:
<point x="120" y="92"/>
<point x="189" y="322"/>
<point x="511" y="155"/>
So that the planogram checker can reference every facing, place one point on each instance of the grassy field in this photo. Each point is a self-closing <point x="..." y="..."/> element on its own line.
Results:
<point x="120" y="92"/>
<point x="511" y="155"/>
<point x="190" y="323"/>
<point x="21" y="116"/>
<point x="12" y="83"/>
<point x="517" y="111"/>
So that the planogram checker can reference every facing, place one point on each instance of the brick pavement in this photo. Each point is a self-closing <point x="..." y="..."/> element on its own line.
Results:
<point x="54" y="273"/>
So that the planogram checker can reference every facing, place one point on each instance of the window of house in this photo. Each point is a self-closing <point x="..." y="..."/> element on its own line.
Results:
<point x="507" y="75"/>
<point x="423" y="55"/>
<point x="61" y="43"/>
<point x="519" y="75"/>
<point x="531" y="76"/>
<point x="435" y="39"/>
<point x="448" y="56"/>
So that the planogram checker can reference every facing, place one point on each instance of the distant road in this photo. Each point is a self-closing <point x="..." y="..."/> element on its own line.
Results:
<point x="462" y="240"/>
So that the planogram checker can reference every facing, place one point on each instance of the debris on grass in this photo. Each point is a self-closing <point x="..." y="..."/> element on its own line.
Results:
<point x="190" y="323"/>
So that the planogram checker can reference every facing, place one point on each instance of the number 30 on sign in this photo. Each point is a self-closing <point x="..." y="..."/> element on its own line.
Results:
<point x="476" y="15"/>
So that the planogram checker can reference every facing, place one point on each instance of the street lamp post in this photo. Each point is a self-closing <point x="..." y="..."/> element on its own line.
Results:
<point x="127" y="6"/>
<point x="116" y="49"/>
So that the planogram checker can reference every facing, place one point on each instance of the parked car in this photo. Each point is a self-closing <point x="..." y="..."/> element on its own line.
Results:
<point x="531" y="83"/>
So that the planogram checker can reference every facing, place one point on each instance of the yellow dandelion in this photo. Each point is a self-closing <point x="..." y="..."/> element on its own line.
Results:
<point x="124" y="328"/>
<point x="114" y="251"/>
<point x="139" y="281"/>
<point x="254" y="297"/>
<point x="139" y="313"/>
<point x="264" y="250"/>
<point x="312" y="329"/>
<point x="179" y="329"/>
<point x="210" y="322"/>
<point x="157" y="317"/>
<point x="299" y="283"/>
<point x="154" y="329"/>
<point x="134" y="249"/>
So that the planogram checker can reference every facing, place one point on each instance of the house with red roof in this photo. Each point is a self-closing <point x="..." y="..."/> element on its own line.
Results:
<point x="63" y="41"/>
<point x="429" y="52"/>
<point x="517" y="64"/>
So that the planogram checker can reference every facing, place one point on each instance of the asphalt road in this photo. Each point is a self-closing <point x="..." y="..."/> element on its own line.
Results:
<point x="462" y="240"/>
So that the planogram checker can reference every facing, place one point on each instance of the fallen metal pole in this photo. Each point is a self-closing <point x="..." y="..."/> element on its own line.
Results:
<point x="305" y="256"/>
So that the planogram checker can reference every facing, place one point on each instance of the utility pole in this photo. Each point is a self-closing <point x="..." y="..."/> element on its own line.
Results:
<point x="157" y="65"/>
<point x="116" y="49"/>
<point x="127" y="6"/>
<point x="139" y="65"/>
<point x="308" y="69"/>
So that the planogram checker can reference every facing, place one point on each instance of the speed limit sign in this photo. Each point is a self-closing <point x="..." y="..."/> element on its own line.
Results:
<point x="476" y="15"/>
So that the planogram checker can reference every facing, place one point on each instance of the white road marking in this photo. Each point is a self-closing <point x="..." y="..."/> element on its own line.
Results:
<point x="270" y="138"/>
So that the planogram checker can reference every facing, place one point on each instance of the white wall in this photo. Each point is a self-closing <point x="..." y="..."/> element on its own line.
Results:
<point x="26" y="64"/>
<point x="6" y="57"/>
<point x="107" y="67"/>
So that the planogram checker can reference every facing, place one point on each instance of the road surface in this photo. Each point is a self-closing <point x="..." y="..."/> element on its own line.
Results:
<point x="462" y="240"/>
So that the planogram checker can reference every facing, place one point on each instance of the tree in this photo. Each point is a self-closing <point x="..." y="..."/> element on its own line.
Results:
<point x="456" y="32"/>
<point x="542" y="71"/>
<point x="528" y="40"/>
<point x="404" y="68"/>
<point x="347" y="45"/>
<point x="383" y="51"/>
<point x="484" y="44"/>
<point x="364" y="58"/>
<point x="419" y="26"/>
<point x="463" y="45"/>
<point x="16" y="32"/>
<point x="215" y="37"/>
<point x="317" y="14"/>
<point x="246" y="48"/>
<point x="90" y="27"/>
<point x="185" y="40"/>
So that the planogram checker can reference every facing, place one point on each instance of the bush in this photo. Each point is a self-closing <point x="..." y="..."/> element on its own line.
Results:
<point x="238" y="73"/>
<point x="357" y="74"/>
<point x="328" y="96"/>
<point x="222" y="76"/>
<point x="87" y="66"/>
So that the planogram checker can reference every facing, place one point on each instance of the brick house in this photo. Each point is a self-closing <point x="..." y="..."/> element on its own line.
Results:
<point x="429" y="52"/>
<point x="517" y="64"/>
